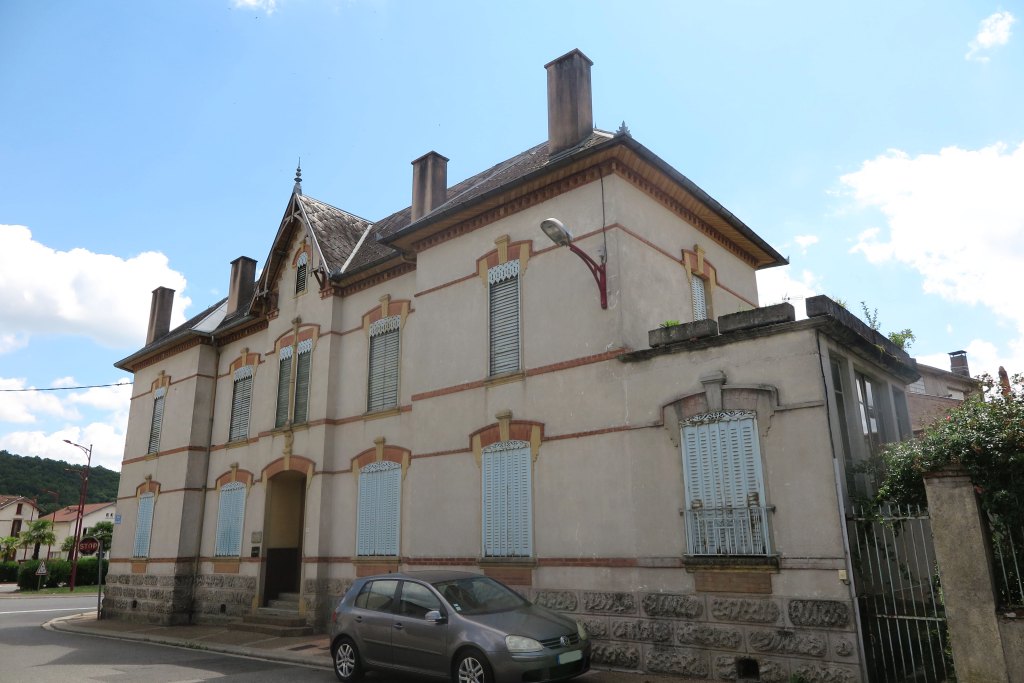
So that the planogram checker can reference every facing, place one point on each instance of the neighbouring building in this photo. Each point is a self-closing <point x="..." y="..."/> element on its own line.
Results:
<point x="15" y="514"/>
<point x="449" y="387"/>
<point x="938" y="391"/>
<point x="63" y="521"/>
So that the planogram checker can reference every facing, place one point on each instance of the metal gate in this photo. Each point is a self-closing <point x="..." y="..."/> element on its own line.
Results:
<point x="903" y="620"/>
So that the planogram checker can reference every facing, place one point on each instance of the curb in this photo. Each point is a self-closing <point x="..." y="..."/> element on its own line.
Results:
<point x="295" y="658"/>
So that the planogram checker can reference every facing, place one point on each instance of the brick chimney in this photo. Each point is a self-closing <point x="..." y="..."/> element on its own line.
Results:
<point x="160" y="313"/>
<point x="570" y="110"/>
<point x="243" y="281"/>
<point x="429" y="183"/>
<point x="958" y="363"/>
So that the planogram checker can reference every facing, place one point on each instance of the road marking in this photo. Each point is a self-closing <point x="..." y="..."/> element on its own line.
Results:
<point x="57" y="609"/>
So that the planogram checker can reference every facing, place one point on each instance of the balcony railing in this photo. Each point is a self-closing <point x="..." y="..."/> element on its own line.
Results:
<point x="728" y="531"/>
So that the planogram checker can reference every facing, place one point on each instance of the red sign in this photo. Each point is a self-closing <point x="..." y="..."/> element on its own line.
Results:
<point x="88" y="546"/>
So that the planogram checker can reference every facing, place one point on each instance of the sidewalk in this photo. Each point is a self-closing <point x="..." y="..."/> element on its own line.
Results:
<point x="309" y="651"/>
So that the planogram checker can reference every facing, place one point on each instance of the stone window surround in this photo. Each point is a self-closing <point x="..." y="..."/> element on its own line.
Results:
<point x="388" y="308"/>
<point x="299" y="333"/>
<point x="307" y="249"/>
<point x="696" y="265"/>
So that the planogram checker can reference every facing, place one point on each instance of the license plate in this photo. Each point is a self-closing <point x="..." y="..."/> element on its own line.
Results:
<point x="572" y="656"/>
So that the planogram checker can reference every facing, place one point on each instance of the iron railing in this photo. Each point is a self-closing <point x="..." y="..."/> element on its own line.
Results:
<point x="1007" y="564"/>
<point x="728" y="531"/>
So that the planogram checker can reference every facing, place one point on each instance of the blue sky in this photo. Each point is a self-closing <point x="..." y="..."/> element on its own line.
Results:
<point x="878" y="145"/>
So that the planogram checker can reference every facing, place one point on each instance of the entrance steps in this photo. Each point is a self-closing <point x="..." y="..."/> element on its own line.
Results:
<point x="279" y="618"/>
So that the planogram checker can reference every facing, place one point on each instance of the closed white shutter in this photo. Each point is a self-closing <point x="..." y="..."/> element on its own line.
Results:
<point x="241" y="400"/>
<point x="158" y="420"/>
<point x="300" y="273"/>
<point x="507" y="505"/>
<point x="503" y="283"/>
<point x="700" y="307"/>
<point x="143" y="525"/>
<point x="380" y="509"/>
<point x="382" y="389"/>
<point x="302" y="367"/>
<point x="284" y="380"/>
<point x="230" y="518"/>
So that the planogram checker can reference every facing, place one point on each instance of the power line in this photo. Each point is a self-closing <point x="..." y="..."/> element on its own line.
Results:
<point x="87" y="386"/>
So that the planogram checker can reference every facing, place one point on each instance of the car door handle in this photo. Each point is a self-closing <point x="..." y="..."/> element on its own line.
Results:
<point x="398" y="625"/>
<point x="358" y="620"/>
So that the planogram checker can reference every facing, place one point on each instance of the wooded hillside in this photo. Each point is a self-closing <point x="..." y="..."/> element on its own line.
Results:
<point x="33" y="476"/>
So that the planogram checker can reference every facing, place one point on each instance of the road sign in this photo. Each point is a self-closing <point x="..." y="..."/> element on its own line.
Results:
<point x="88" y="546"/>
<point x="41" y="569"/>
<point x="117" y="518"/>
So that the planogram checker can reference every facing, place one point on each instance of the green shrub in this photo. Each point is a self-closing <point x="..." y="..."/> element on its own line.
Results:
<point x="8" y="572"/>
<point x="87" y="571"/>
<point x="58" y="573"/>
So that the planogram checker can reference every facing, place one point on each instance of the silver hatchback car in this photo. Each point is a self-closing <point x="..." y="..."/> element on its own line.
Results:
<point x="457" y="625"/>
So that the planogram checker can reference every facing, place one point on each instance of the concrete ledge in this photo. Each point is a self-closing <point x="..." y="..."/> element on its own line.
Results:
<point x="663" y="336"/>
<point x="758" y="317"/>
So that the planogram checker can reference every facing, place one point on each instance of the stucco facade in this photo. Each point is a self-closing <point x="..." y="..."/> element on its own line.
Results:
<point x="599" y="418"/>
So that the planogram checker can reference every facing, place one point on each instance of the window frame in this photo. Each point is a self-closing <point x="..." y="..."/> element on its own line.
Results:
<point x="504" y="296"/>
<point x="384" y="359"/>
<point x="241" y="400"/>
<point x="301" y="273"/>
<point x="284" y="386"/>
<point x="157" y="420"/>
<point x="303" y="381"/>
<point x="379" y="505"/>
<point x="698" y="298"/>
<point x="506" y="510"/>
<point x="230" y="519"/>
<point x="144" y="525"/>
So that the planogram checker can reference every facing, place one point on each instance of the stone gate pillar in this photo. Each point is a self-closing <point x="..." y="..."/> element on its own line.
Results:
<point x="965" y="569"/>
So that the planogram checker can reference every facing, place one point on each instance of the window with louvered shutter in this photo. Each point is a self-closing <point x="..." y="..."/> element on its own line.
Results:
<point x="230" y="518"/>
<point x="503" y="285"/>
<point x="300" y="273"/>
<point x="507" y="494"/>
<point x="726" y="510"/>
<point x="241" y="400"/>
<point x="158" y="420"/>
<point x="302" y="365"/>
<point x="284" y="383"/>
<point x="382" y="387"/>
<point x="143" y="525"/>
<point x="700" y="307"/>
<point x="380" y="509"/>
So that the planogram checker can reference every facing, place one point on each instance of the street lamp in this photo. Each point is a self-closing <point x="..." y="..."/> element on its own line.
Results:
<point x="84" y="474"/>
<point x="560" y="235"/>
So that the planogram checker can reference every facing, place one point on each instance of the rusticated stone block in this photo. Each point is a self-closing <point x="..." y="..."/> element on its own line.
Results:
<point x="819" y="613"/>
<point x="769" y="671"/>
<point x="670" y="605"/>
<point x="562" y="601"/>
<point x="648" y="631"/>
<point x="784" y="642"/>
<point x="615" y="655"/>
<point x="823" y="673"/>
<point x="597" y="628"/>
<point x="843" y="647"/>
<point x="670" y="660"/>
<point x="743" y="609"/>
<point x="705" y="635"/>
<point x="614" y="603"/>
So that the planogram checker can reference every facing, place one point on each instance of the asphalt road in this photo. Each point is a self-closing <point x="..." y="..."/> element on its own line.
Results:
<point x="31" y="654"/>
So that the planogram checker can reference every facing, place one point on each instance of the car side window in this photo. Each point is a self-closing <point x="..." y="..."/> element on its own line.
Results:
<point x="378" y="596"/>
<point x="417" y="600"/>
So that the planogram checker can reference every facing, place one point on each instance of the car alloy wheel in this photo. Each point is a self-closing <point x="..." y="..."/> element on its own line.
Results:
<point x="346" y="661"/>
<point x="473" y="668"/>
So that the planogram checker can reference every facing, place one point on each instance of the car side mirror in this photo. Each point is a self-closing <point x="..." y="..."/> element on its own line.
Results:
<point x="435" y="617"/>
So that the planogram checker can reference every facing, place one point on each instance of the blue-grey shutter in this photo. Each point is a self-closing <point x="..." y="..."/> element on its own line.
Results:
<point x="300" y="274"/>
<point x="143" y="525"/>
<point x="158" y="420"/>
<point x="503" y="284"/>
<point x="305" y="351"/>
<point x="230" y="519"/>
<point x="507" y="500"/>
<point x="241" y="400"/>
<point x="700" y="307"/>
<point x="382" y="388"/>
<point x="284" y="381"/>
<point x="380" y="509"/>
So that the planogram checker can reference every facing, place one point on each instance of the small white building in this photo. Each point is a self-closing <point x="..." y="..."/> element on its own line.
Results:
<point x="64" y="522"/>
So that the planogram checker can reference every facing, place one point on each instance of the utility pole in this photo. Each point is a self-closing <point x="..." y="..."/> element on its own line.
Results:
<point x="84" y="474"/>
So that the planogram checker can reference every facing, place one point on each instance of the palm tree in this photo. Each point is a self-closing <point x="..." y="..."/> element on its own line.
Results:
<point x="39" y="532"/>
<point x="8" y="546"/>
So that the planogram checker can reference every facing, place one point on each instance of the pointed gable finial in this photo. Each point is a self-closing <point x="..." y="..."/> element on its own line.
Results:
<point x="623" y="130"/>
<point x="298" y="178"/>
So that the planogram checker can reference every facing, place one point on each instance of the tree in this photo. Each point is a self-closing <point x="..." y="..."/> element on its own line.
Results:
<point x="103" y="532"/>
<point x="8" y="546"/>
<point x="903" y="339"/>
<point x="39" y="532"/>
<point x="68" y="544"/>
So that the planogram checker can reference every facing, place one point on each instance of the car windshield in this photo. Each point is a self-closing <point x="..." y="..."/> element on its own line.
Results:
<point x="478" y="595"/>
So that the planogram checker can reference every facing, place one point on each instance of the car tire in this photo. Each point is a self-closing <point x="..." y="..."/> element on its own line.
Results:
<point x="345" y="656"/>
<point x="472" y="667"/>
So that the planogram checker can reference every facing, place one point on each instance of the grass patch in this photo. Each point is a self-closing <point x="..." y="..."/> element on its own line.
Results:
<point x="62" y="590"/>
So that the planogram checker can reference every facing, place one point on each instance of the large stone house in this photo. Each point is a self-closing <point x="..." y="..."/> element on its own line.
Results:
<point x="450" y="387"/>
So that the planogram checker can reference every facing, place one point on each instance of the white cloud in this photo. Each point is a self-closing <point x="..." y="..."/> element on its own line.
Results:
<point x="78" y="292"/>
<point x="23" y="407"/>
<point x="805" y="241"/>
<point x="982" y="357"/>
<point x="956" y="218"/>
<point x="267" y="6"/>
<point x="107" y="442"/>
<point x="775" y="285"/>
<point x="993" y="31"/>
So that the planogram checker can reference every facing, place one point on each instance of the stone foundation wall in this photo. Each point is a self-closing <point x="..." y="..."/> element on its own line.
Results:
<point x="148" y="598"/>
<point x="319" y="598"/>
<point x="223" y="596"/>
<point x="706" y="636"/>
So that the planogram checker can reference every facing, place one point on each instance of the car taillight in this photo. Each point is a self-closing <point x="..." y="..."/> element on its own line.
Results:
<point x="334" y="617"/>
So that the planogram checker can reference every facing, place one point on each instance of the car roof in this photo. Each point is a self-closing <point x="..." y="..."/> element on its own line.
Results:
<point x="426" y="575"/>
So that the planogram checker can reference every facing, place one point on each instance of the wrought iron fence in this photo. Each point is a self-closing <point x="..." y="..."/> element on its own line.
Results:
<point x="1008" y="562"/>
<point x="728" y="531"/>
<point x="902" y="615"/>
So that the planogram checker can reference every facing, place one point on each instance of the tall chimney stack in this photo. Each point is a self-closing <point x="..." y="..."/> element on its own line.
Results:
<point x="958" y="363"/>
<point x="160" y="313"/>
<point x="429" y="184"/>
<point x="243" y="281"/>
<point x="570" y="110"/>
